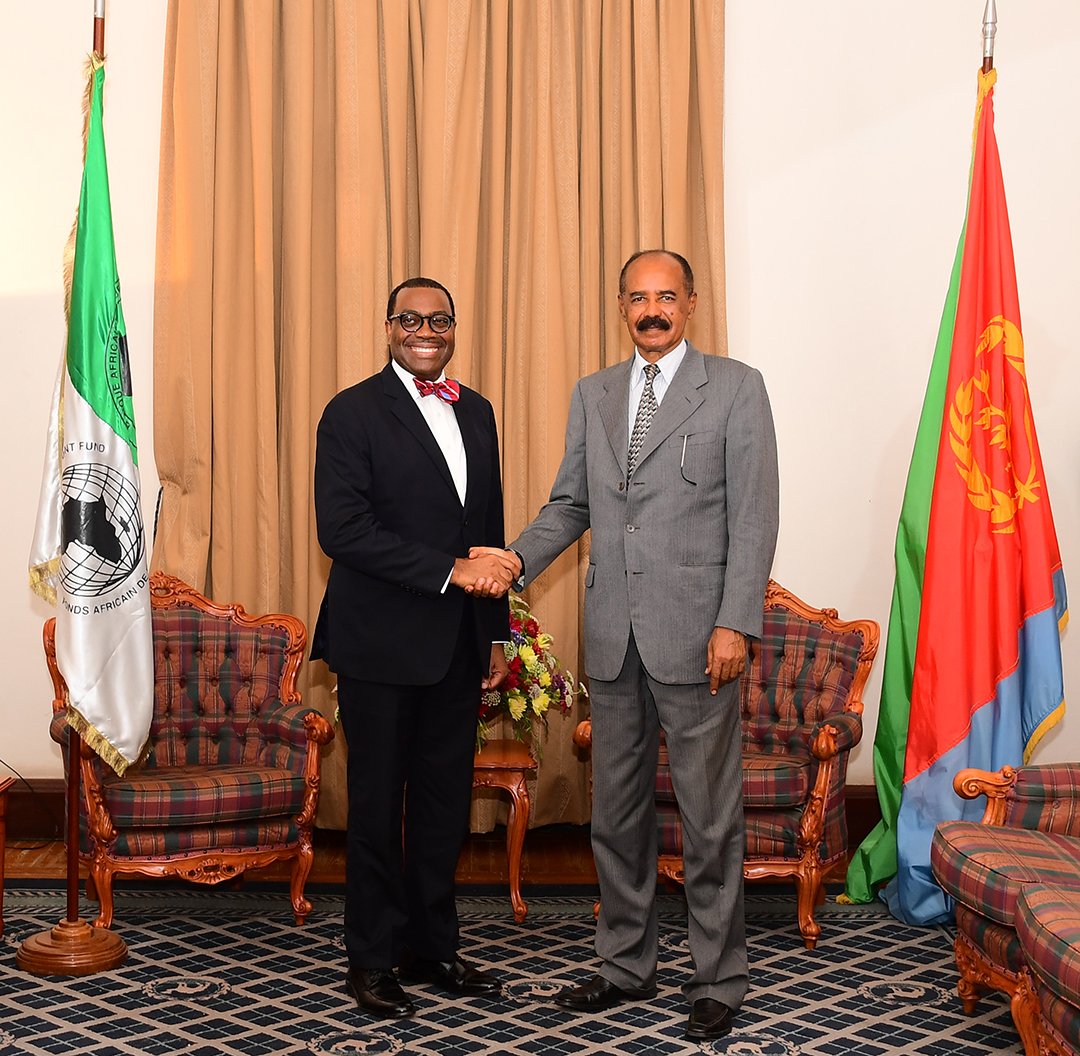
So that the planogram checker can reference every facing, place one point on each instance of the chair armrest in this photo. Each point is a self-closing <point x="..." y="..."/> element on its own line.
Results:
<point x="971" y="783"/>
<point x="583" y="734"/>
<point x="294" y="726"/>
<point x="1045" y="798"/>
<point x="829" y="737"/>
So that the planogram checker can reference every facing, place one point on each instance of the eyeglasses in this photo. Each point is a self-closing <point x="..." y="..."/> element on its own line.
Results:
<point x="410" y="322"/>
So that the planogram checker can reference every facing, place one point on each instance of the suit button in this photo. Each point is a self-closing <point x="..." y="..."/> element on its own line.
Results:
<point x="622" y="485"/>
<point x="631" y="527"/>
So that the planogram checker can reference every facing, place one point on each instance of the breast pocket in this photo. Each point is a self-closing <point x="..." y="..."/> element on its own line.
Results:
<point x="701" y="456"/>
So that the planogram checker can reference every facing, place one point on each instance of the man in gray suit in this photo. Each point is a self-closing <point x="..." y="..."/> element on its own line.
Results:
<point x="671" y="462"/>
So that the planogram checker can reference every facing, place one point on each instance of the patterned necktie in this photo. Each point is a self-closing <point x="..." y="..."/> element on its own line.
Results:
<point x="646" y="409"/>
<point x="448" y="391"/>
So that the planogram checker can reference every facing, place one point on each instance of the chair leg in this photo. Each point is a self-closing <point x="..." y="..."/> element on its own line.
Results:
<point x="1025" y="1013"/>
<point x="101" y="876"/>
<point x="968" y="988"/>
<point x="517" y="822"/>
<point x="808" y="888"/>
<point x="305" y="857"/>
<point x="91" y="888"/>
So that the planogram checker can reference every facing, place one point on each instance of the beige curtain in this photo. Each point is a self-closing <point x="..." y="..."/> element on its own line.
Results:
<point x="314" y="153"/>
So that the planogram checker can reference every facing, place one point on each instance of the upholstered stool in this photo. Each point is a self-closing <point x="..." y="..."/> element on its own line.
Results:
<point x="506" y="764"/>
<point x="1046" y="1007"/>
<point x="985" y="868"/>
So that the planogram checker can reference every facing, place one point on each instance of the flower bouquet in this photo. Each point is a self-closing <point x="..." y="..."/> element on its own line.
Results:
<point x="535" y="683"/>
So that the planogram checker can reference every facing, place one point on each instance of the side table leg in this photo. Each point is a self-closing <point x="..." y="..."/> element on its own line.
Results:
<point x="516" y="823"/>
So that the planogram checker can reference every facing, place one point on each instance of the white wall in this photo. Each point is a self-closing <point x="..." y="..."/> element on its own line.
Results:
<point x="41" y="129"/>
<point x="848" y="141"/>
<point x="846" y="173"/>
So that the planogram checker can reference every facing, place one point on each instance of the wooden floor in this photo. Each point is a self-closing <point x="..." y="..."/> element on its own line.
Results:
<point x="554" y="855"/>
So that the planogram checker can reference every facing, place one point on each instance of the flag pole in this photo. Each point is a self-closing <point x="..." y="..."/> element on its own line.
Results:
<point x="989" y="31"/>
<point x="73" y="947"/>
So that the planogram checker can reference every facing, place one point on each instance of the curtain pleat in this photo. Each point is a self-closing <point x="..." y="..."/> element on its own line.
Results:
<point x="313" y="155"/>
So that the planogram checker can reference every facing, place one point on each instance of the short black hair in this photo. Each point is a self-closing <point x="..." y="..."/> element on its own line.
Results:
<point x="417" y="283"/>
<point x="688" y="274"/>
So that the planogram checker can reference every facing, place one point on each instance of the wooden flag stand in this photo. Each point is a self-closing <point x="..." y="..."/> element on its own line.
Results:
<point x="74" y="947"/>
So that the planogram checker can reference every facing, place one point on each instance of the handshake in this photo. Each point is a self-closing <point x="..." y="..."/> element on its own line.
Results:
<point x="487" y="572"/>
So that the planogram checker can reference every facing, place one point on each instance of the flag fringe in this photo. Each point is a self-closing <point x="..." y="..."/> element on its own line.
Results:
<point x="42" y="579"/>
<point x="96" y="741"/>
<point x="1043" y="729"/>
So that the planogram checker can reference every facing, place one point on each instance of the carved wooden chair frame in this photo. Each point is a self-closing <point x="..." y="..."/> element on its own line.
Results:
<point x="808" y="871"/>
<point x="213" y="866"/>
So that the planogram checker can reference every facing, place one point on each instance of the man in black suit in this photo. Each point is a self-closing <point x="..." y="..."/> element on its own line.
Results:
<point x="407" y="479"/>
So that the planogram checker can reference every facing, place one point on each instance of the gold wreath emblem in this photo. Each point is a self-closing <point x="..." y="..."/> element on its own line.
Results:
<point x="1002" y="499"/>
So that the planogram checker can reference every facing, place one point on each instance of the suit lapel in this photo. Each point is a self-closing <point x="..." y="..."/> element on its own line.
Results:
<point x="680" y="401"/>
<point x="404" y="408"/>
<point x="614" y="410"/>
<point x="476" y="454"/>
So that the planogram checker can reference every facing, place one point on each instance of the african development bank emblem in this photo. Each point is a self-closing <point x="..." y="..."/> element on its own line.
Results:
<point x="986" y="401"/>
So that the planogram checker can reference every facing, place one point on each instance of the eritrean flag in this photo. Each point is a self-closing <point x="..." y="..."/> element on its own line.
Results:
<point x="973" y="658"/>
<point x="89" y="552"/>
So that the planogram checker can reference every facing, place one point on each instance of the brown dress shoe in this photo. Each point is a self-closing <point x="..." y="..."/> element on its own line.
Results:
<point x="455" y="977"/>
<point x="377" y="990"/>
<point x="599" y="994"/>
<point x="708" y="1019"/>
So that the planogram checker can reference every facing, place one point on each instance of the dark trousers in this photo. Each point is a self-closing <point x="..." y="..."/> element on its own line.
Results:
<point x="410" y="750"/>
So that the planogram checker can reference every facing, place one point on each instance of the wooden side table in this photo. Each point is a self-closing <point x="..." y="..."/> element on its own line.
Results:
<point x="5" y="784"/>
<point x="506" y="764"/>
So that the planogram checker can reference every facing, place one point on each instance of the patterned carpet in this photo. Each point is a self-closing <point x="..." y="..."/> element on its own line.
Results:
<point x="213" y="973"/>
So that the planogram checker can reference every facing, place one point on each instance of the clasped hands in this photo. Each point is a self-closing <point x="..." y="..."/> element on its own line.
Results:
<point x="487" y="572"/>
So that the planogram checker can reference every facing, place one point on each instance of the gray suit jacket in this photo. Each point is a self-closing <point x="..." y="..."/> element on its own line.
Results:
<point x="686" y="546"/>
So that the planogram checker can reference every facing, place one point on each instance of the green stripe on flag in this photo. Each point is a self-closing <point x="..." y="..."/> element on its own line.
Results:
<point x="97" y="359"/>
<point x="874" y="862"/>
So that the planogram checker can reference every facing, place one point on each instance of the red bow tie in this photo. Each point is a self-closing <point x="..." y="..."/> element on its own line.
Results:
<point x="448" y="391"/>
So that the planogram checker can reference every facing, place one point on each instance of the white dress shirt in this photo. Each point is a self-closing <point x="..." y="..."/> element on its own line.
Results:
<point x="443" y="424"/>
<point x="668" y="365"/>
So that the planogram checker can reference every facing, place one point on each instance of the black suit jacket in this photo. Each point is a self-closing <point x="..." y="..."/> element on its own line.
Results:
<point x="389" y="517"/>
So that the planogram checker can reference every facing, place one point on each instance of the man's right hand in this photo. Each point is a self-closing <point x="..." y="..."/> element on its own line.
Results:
<point x="507" y="560"/>
<point x="484" y="574"/>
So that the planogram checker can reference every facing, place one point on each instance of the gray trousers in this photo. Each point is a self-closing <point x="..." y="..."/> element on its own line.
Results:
<point x="704" y="746"/>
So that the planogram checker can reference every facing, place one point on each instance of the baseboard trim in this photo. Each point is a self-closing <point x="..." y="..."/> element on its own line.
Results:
<point x="35" y="809"/>
<point x="37" y="812"/>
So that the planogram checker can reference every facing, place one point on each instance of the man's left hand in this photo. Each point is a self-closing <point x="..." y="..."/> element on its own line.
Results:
<point x="498" y="669"/>
<point x="727" y="657"/>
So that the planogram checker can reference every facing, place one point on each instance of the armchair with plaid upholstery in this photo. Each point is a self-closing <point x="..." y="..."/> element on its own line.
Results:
<point x="1029" y="834"/>
<point x="801" y="705"/>
<point x="230" y="777"/>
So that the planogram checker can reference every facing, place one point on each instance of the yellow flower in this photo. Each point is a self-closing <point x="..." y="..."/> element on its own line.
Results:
<point x="516" y="705"/>
<point x="528" y="657"/>
<point x="545" y="678"/>
<point x="540" y="703"/>
<point x="544" y="641"/>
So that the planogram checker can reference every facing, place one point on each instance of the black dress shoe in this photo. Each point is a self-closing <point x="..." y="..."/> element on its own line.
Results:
<point x="708" y="1019"/>
<point x="377" y="990"/>
<point x="599" y="994"/>
<point x="454" y="976"/>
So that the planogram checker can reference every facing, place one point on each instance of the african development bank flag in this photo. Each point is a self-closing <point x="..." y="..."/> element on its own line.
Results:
<point x="89" y="551"/>
<point x="973" y="660"/>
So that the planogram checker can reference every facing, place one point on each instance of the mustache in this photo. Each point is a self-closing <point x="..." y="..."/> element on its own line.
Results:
<point x="652" y="322"/>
